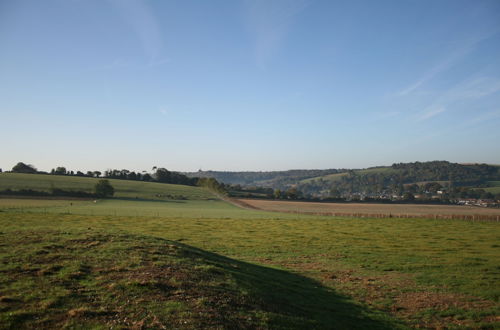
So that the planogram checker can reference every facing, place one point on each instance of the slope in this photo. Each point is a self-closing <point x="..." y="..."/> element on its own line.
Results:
<point x="123" y="188"/>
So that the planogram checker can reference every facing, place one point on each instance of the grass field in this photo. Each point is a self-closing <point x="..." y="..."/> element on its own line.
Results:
<point x="121" y="207"/>
<point x="200" y="262"/>
<point x="210" y="264"/>
<point x="367" y="208"/>
<point x="123" y="188"/>
<point x="495" y="189"/>
<point x="337" y="176"/>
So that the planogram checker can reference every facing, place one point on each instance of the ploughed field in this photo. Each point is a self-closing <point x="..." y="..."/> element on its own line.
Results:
<point x="370" y="209"/>
<point x="204" y="263"/>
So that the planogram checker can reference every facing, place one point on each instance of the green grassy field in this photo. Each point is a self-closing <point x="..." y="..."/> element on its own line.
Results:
<point x="495" y="189"/>
<point x="338" y="176"/>
<point x="121" y="207"/>
<point x="123" y="188"/>
<point x="86" y="279"/>
<point x="292" y="271"/>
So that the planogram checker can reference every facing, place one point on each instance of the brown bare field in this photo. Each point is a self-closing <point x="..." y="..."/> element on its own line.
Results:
<point x="375" y="210"/>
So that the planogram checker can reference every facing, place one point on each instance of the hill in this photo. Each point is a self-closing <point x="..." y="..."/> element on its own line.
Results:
<point x="270" y="179"/>
<point x="399" y="177"/>
<point x="123" y="188"/>
<point x="375" y="180"/>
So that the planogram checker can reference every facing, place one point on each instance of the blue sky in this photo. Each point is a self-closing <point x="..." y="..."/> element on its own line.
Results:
<point x="248" y="85"/>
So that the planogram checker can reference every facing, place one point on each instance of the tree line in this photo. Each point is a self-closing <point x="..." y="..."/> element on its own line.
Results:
<point x="426" y="178"/>
<point x="159" y="174"/>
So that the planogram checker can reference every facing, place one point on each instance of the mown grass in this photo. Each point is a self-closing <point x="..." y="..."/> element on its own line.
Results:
<point x="426" y="272"/>
<point x="123" y="188"/>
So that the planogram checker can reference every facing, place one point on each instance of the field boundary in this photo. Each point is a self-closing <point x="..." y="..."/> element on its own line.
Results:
<point x="62" y="198"/>
<point x="467" y="217"/>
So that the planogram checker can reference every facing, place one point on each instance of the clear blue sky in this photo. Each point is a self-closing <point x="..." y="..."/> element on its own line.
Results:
<point x="248" y="85"/>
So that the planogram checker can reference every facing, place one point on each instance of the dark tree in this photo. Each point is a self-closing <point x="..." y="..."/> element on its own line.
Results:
<point x="163" y="175"/>
<point x="24" y="168"/>
<point x="408" y="196"/>
<point x="60" y="170"/>
<point x="104" y="189"/>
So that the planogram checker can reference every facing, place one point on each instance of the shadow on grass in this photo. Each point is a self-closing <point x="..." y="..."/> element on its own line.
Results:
<point x="295" y="301"/>
<point x="55" y="279"/>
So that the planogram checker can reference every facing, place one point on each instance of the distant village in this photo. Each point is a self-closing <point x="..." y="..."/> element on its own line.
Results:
<point x="439" y="197"/>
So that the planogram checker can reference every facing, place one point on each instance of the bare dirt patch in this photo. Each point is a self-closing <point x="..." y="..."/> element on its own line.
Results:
<point x="414" y="305"/>
<point x="394" y="292"/>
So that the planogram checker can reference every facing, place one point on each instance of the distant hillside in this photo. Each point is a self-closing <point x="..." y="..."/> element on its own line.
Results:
<point x="397" y="178"/>
<point x="271" y="179"/>
<point x="375" y="180"/>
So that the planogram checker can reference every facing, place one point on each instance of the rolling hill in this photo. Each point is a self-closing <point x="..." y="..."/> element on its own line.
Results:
<point x="123" y="188"/>
<point x="370" y="180"/>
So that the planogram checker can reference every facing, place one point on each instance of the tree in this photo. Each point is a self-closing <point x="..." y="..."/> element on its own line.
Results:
<point x="212" y="184"/>
<point x="334" y="192"/>
<point x="163" y="175"/>
<point x="60" y="170"/>
<point x="104" y="189"/>
<point x="292" y="193"/>
<point x="23" y="168"/>
<point x="277" y="194"/>
<point x="408" y="196"/>
<point x="413" y="188"/>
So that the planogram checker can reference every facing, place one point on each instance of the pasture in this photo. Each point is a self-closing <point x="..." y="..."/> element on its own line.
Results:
<point x="123" y="188"/>
<point x="324" y="271"/>
<point x="338" y="176"/>
<point x="495" y="187"/>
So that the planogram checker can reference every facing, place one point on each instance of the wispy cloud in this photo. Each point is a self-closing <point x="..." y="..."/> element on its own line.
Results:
<point x="489" y="116"/>
<point x="145" y="25"/>
<point x="269" y="23"/>
<point x="452" y="59"/>
<point x="431" y="112"/>
<point x="471" y="89"/>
